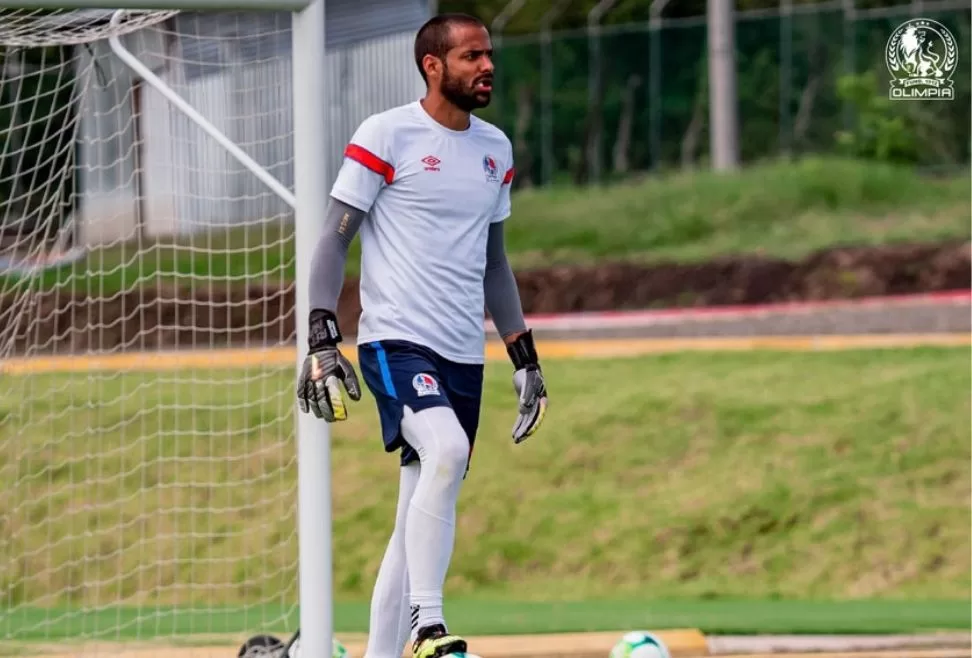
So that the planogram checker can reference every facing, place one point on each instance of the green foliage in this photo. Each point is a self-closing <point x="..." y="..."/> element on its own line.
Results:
<point x="896" y="131"/>
<point x="881" y="131"/>
<point x="788" y="68"/>
<point x="885" y="130"/>
<point x="574" y="15"/>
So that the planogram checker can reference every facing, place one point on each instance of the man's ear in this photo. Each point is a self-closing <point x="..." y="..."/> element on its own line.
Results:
<point x="432" y="65"/>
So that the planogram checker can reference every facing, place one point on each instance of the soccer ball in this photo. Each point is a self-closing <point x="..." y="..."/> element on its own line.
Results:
<point x="460" y="655"/>
<point x="268" y="646"/>
<point x="339" y="650"/>
<point x="261" y="646"/>
<point x="639" y="644"/>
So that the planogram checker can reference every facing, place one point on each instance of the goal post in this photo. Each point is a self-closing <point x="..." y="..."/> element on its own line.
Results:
<point x="307" y="201"/>
<point x="313" y="465"/>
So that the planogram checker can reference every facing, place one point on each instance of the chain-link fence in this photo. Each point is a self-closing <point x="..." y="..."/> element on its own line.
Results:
<point x="600" y="103"/>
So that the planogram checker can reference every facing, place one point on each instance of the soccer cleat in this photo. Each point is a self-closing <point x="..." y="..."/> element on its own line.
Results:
<point x="435" y="642"/>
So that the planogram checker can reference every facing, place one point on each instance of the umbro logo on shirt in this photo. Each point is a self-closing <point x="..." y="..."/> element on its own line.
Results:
<point x="431" y="163"/>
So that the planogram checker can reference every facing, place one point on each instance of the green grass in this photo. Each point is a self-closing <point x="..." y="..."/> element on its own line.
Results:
<point x="780" y="209"/>
<point x="507" y="618"/>
<point x="685" y="476"/>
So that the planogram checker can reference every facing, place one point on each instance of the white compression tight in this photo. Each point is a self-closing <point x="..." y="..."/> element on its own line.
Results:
<point x="414" y="567"/>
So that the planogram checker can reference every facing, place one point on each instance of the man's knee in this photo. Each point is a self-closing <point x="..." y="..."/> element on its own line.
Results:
<point x="438" y="438"/>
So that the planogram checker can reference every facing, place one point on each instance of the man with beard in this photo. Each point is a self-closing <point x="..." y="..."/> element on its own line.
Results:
<point x="428" y="186"/>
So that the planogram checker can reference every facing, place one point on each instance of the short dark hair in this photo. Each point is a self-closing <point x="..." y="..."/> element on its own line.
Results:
<point x="433" y="37"/>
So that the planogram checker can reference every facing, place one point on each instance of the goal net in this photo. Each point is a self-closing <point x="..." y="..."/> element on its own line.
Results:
<point x="147" y="326"/>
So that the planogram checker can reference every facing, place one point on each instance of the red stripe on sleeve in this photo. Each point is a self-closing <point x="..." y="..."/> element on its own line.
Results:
<point x="368" y="159"/>
<point x="508" y="178"/>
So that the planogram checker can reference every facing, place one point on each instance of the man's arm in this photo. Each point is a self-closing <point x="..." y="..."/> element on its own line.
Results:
<point x="503" y="303"/>
<point x="367" y="168"/>
<point x="324" y="366"/>
<point x="499" y="287"/>
<point x="341" y="224"/>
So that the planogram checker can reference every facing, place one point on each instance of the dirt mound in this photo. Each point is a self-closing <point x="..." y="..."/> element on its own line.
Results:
<point x="167" y="317"/>
<point x="842" y="273"/>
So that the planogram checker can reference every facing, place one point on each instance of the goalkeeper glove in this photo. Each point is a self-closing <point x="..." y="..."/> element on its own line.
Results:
<point x="529" y="385"/>
<point x="324" y="369"/>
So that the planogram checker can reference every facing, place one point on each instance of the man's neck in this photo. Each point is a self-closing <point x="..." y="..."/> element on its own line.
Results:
<point x="445" y="112"/>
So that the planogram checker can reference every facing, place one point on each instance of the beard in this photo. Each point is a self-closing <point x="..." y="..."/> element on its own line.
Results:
<point x="463" y="95"/>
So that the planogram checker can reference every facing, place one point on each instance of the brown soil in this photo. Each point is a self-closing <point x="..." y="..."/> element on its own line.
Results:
<point x="165" y="317"/>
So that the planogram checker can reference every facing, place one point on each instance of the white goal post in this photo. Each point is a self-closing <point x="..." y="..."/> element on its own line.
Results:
<point x="308" y="199"/>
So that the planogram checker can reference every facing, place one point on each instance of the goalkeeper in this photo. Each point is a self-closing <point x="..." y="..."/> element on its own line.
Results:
<point x="427" y="186"/>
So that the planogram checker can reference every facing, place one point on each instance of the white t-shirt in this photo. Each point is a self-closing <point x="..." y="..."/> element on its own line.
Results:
<point x="431" y="193"/>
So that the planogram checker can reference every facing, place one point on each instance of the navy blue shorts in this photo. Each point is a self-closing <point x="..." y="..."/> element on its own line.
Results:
<point x="400" y="373"/>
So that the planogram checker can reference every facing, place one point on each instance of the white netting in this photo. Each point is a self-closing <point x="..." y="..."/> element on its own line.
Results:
<point x="146" y="493"/>
<point x="67" y="27"/>
<point x="147" y="453"/>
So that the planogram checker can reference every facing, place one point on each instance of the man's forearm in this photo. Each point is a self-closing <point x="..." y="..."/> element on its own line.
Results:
<point x="331" y="254"/>
<point x="503" y="303"/>
<point x="500" y="289"/>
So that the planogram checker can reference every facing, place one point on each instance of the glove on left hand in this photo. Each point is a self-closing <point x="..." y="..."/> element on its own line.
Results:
<point x="529" y="384"/>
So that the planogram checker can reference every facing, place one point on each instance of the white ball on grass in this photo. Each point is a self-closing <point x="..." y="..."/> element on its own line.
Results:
<point x="639" y="644"/>
<point x="339" y="650"/>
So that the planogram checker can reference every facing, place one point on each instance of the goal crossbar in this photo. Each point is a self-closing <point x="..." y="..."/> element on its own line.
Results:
<point x="185" y="5"/>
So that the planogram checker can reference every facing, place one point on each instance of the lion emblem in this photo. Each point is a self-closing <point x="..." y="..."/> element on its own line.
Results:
<point x="921" y="56"/>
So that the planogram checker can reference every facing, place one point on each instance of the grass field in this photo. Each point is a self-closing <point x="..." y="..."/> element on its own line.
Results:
<point x="760" y="476"/>
<point x="484" y="617"/>
<point x="780" y="209"/>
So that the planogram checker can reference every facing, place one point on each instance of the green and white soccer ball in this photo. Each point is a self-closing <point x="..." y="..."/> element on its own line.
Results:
<point x="639" y="644"/>
<point x="339" y="651"/>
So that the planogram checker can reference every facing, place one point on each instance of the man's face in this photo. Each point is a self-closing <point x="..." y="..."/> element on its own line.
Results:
<point x="467" y="72"/>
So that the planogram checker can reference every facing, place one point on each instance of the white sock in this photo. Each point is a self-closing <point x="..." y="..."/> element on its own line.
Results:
<point x="389" y="626"/>
<point x="430" y="528"/>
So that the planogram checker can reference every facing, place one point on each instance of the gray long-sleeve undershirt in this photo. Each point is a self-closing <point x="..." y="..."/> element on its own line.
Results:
<point x="341" y="224"/>
<point x="499" y="286"/>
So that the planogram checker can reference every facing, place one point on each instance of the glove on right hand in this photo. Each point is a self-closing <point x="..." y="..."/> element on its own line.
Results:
<point x="325" y="370"/>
